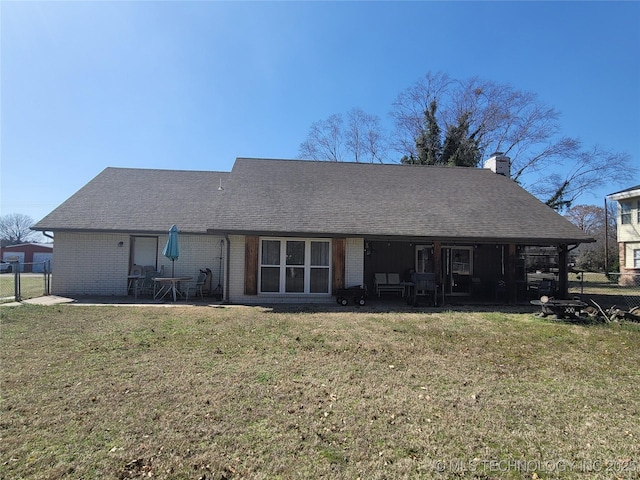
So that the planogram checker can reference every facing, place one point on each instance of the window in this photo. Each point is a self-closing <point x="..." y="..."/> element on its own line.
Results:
<point x="295" y="266"/>
<point x="461" y="261"/>
<point x="270" y="266"/>
<point x="144" y="251"/>
<point x="636" y="258"/>
<point x="625" y="213"/>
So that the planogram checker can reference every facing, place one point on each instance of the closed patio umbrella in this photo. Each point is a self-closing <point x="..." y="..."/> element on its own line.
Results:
<point x="171" y="250"/>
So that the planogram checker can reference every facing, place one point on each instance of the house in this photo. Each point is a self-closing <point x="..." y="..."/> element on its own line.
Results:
<point x="32" y="257"/>
<point x="297" y="230"/>
<point x="628" y="229"/>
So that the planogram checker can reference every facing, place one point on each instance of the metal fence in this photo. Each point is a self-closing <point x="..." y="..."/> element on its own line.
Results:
<point x="612" y="289"/>
<point x="17" y="285"/>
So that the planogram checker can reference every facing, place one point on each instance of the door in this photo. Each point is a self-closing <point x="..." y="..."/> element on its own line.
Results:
<point x="457" y="265"/>
<point x="39" y="259"/>
<point x="144" y="251"/>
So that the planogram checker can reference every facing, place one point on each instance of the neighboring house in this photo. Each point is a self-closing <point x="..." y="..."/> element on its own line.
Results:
<point x="628" y="232"/>
<point x="296" y="230"/>
<point x="32" y="256"/>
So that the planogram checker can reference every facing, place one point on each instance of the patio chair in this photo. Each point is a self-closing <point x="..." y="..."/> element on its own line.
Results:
<point x="388" y="283"/>
<point x="197" y="287"/>
<point x="547" y="287"/>
<point x="501" y="290"/>
<point x="146" y="286"/>
<point x="136" y="270"/>
<point x="425" y="286"/>
<point x="134" y="279"/>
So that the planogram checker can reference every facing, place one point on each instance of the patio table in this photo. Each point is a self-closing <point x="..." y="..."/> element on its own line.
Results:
<point x="169" y="285"/>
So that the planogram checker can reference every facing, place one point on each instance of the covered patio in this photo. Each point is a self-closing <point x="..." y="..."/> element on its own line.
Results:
<point x="469" y="272"/>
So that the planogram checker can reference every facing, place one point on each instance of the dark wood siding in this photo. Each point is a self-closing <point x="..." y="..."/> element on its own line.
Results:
<point x="251" y="265"/>
<point x="339" y="248"/>
<point x="388" y="257"/>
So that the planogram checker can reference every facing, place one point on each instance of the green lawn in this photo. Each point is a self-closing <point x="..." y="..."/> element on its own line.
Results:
<point x="246" y="392"/>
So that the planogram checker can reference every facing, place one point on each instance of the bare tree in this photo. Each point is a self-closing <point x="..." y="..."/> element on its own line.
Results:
<point x="591" y="219"/>
<point x="588" y="169"/>
<point x="325" y="140"/>
<point x="501" y="119"/>
<point x="364" y="137"/>
<point x="15" y="228"/>
<point x="474" y="118"/>
<point x="410" y="107"/>
<point x="362" y="140"/>
<point x="516" y="123"/>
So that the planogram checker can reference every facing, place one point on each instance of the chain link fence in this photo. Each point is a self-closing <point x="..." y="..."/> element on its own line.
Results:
<point x="620" y="290"/>
<point x="16" y="285"/>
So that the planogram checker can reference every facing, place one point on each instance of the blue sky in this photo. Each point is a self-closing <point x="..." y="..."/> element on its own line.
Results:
<point x="193" y="85"/>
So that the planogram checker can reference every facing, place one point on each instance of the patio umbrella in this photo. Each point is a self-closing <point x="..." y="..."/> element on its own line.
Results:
<point x="171" y="248"/>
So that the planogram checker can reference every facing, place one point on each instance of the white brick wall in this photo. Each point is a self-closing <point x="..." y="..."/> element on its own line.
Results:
<point x="90" y="264"/>
<point x="94" y="264"/>
<point x="354" y="263"/>
<point x="196" y="252"/>
<point x="236" y="270"/>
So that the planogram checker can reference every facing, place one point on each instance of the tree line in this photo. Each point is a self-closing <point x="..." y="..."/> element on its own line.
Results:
<point x="15" y="228"/>
<point x="440" y="120"/>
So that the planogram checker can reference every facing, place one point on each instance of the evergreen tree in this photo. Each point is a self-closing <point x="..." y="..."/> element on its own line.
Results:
<point x="429" y="142"/>
<point x="558" y="201"/>
<point x="460" y="148"/>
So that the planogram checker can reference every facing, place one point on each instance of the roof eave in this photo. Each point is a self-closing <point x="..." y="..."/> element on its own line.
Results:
<point x="624" y="195"/>
<point x="412" y="238"/>
<point x="114" y="231"/>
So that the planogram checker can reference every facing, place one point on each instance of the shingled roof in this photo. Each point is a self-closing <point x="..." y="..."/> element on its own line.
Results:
<point x="140" y="200"/>
<point x="299" y="197"/>
<point x="386" y="200"/>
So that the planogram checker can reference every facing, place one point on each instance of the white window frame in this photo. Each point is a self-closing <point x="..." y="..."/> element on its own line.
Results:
<point x="626" y="212"/>
<point x="636" y="258"/>
<point x="470" y="249"/>
<point x="306" y="266"/>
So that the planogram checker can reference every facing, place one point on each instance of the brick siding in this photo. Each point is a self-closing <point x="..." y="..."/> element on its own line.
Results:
<point x="95" y="264"/>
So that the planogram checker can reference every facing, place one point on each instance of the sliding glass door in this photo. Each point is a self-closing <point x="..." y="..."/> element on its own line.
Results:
<point x="457" y="267"/>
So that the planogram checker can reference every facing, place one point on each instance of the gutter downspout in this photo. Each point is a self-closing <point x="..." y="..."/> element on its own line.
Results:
<point x="47" y="235"/>
<point x="225" y="298"/>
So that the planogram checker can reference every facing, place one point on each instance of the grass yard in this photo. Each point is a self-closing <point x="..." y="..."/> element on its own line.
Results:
<point x="32" y="285"/>
<point x="246" y="392"/>
<point x="599" y="284"/>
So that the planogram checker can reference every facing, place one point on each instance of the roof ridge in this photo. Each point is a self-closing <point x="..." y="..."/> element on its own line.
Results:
<point x="378" y="164"/>
<point x="172" y="170"/>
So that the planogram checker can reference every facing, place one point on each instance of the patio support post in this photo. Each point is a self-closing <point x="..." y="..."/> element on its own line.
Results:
<point x="251" y="248"/>
<point x="338" y="260"/>
<point x="437" y="262"/>
<point x="511" y="273"/>
<point x="563" y="284"/>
